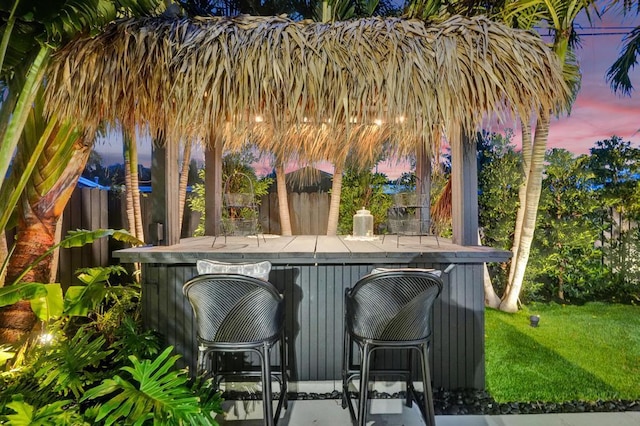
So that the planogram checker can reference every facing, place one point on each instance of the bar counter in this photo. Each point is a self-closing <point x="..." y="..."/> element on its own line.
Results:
<point x="313" y="272"/>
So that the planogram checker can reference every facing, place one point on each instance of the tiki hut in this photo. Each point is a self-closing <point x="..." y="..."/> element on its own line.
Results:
<point x="308" y="90"/>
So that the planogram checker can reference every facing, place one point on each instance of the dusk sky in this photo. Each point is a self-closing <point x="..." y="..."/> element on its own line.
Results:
<point x="597" y="113"/>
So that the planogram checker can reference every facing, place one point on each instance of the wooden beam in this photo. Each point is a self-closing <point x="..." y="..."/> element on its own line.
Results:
<point x="464" y="191"/>
<point x="423" y="184"/>
<point x="213" y="193"/>
<point x="165" y="224"/>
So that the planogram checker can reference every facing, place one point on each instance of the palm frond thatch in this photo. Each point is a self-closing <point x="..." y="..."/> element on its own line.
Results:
<point x="317" y="88"/>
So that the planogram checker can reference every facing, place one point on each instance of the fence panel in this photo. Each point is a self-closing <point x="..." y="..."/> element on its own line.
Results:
<point x="88" y="209"/>
<point x="309" y="213"/>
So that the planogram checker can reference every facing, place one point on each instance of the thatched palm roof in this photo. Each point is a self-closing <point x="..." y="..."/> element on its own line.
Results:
<point x="310" y="89"/>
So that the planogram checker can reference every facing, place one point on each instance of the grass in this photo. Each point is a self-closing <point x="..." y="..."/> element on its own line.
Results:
<point x="585" y="353"/>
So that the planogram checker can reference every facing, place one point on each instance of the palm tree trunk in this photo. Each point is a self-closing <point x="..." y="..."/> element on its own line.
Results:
<point x="534" y="187"/>
<point x="128" y="184"/>
<point x="132" y="191"/>
<point x="334" y="206"/>
<point x="36" y="233"/>
<point x="184" y="178"/>
<point x="283" y="200"/>
<point x="522" y="198"/>
<point x="53" y="273"/>
<point x="491" y="299"/>
<point x="135" y="191"/>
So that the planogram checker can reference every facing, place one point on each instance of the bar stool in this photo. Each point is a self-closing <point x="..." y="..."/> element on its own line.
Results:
<point x="389" y="310"/>
<point x="239" y="313"/>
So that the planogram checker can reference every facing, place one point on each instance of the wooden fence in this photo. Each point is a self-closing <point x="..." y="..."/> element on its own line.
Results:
<point x="91" y="209"/>
<point x="309" y="213"/>
<point x="88" y="209"/>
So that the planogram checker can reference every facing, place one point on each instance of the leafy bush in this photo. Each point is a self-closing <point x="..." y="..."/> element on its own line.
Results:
<point x="64" y="375"/>
<point x="150" y="391"/>
<point x="362" y="188"/>
<point x="232" y="164"/>
<point x="70" y="365"/>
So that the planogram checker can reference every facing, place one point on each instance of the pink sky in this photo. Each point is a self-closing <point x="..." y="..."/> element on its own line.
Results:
<point x="597" y="113"/>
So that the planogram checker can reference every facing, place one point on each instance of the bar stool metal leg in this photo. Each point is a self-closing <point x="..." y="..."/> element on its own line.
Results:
<point x="364" y="384"/>
<point x="410" y="387"/>
<point x="266" y="385"/>
<point x="283" y="401"/>
<point x="428" y="392"/>
<point x="346" y="348"/>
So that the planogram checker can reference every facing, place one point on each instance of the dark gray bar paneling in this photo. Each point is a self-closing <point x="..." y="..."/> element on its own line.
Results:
<point x="315" y="308"/>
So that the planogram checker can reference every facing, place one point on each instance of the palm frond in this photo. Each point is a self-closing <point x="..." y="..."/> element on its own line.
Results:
<point x="618" y="73"/>
<point x="305" y="90"/>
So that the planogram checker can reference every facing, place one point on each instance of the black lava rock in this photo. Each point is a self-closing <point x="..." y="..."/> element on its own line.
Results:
<point x="466" y="401"/>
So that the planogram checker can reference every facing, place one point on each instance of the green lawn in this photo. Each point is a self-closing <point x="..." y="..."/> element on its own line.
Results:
<point x="588" y="353"/>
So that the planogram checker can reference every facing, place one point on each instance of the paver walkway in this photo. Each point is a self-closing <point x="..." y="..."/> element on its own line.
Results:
<point x="393" y="412"/>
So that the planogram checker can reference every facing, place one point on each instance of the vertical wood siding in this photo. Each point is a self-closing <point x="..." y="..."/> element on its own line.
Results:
<point x="314" y="319"/>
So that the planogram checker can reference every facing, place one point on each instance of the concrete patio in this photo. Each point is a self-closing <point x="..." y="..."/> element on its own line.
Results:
<point x="393" y="412"/>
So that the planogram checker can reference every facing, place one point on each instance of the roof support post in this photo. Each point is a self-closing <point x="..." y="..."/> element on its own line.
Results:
<point x="213" y="185"/>
<point x="464" y="190"/>
<point x="423" y="184"/>
<point x="165" y="222"/>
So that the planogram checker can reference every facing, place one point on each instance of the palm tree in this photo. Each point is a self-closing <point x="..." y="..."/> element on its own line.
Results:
<point x="559" y="16"/>
<point x="56" y="150"/>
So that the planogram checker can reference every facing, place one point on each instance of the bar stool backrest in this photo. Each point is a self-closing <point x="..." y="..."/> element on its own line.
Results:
<point x="392" y="305"/>
<point x="233" y="308"/>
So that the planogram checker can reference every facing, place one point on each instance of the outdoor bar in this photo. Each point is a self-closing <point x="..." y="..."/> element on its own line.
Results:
<point x="313" y="272"/>
<point x="312" y="92"/>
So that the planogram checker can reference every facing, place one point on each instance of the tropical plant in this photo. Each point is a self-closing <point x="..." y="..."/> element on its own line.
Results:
<point x="58" y="150"/>
<point x="363" y="189"/>
<point x="92" y="334"/>
<point x="70" y="366"/>
<point x="29" y="37"/>
<point x="499" y="177"/>
<point x="45" y="301"/>
<point x="566" y="264"/>
<point x="235" y="170"/>
<point x="150" y="391"/>
<point x="129" y="339"/>
<point x="53" y="414"/>
<point x="615" y="165"/>
<point x="559" y="18"/>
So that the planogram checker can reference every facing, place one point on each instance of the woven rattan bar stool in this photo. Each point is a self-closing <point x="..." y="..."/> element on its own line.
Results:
<point x="239" y="313"/>
<point x="389" y="310"/>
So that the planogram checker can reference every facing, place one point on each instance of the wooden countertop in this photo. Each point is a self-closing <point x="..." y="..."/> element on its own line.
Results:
<point x="321" y="249"/>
